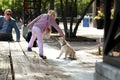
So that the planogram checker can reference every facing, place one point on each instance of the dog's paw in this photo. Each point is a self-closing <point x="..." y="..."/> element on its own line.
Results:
<point x="57" y="58"/>
<point x="73" y="58"/>
<point x="65" y="58"/>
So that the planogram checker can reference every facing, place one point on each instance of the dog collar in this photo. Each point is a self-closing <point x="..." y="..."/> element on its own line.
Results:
<point x="63" y="44"/>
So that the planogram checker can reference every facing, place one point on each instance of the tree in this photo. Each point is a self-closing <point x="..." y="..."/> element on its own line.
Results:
<point x="52" y="4"/>
<point x="64" y="17"/>
<point x="71" y="33"/>
<point x="68" y="9"/>
<point x="76" y="27"/>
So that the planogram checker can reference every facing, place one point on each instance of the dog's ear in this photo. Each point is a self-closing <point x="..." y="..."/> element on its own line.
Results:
<point x="64" y="42"/>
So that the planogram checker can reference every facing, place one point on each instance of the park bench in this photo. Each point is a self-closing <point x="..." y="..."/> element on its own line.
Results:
<point x="16" y="63"/>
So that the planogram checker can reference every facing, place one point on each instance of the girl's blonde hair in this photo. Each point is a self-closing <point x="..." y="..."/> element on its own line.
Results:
<point x="52" y="13"/>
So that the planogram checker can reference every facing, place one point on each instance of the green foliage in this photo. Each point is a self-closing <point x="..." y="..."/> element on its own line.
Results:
<point x="112" y="13"/>
<point x="17" y="5"/>
<point x="13" y="4"/>
<point x="100" y="15"/>
<point x="81" y="4"/>
<point x="84" y="1"/>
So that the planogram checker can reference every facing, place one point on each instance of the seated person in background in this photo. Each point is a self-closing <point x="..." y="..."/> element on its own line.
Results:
<point x="28" y="36"/>
<point x="7" y="23"/>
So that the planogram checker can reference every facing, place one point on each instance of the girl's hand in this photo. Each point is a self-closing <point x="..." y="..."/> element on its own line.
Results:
<point x="63" y="36"/>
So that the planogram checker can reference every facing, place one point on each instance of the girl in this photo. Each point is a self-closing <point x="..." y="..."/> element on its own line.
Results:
<point x="38" y="26"/>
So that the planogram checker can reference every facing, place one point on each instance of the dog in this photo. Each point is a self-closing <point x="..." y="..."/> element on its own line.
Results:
<point x="67" y="49"/>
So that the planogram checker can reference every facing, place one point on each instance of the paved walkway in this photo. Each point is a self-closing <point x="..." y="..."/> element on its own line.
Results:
<point x="84" y="67"/>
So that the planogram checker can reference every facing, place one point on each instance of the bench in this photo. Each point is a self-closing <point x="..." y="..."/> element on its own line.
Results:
<point x="16" y="63"/>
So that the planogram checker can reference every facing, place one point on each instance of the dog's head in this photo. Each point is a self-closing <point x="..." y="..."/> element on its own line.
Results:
<point x="62" y="41"/>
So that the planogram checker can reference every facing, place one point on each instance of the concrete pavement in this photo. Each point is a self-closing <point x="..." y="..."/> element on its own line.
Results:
<point x="84" y="67"/>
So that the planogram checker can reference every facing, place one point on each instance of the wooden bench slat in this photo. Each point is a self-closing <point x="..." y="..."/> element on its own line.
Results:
<point x="19" y="62"/>
<point x="5" y="69"/>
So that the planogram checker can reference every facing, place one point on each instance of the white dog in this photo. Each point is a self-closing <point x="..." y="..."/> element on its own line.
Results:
<point x="67" y="49"/>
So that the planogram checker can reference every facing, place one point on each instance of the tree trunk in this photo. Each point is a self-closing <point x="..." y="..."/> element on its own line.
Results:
<point x="52" y="4"/>
<point x="71" y="22"/>
<point x="68" y="32"/>
<point x="79" y="21"/>
<point x="64" y="17"/>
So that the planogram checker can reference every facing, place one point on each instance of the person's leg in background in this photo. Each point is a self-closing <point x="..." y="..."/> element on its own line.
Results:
<point x="33" y="38"/>
<point x="28" y="37"/>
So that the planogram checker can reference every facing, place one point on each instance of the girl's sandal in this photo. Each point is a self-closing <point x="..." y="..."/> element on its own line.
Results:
<point x="43" y="57"/>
